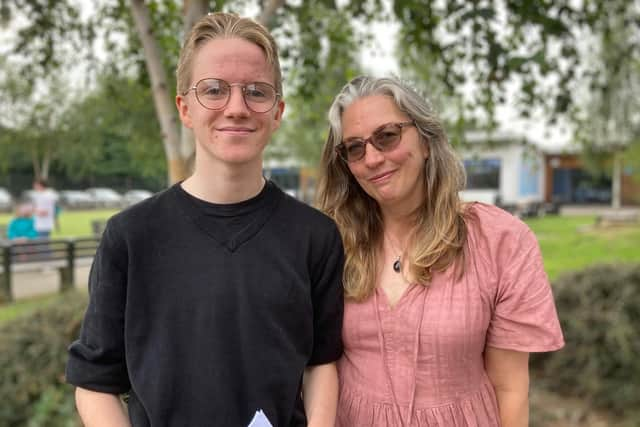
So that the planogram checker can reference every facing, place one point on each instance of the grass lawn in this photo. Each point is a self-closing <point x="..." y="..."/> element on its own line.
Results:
<point x="73" y="223"/>
<point x="572" y="243"/>
<point x="568" y="243"/>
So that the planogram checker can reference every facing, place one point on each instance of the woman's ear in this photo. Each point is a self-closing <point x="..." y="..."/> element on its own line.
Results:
<point x="425" y="148"/>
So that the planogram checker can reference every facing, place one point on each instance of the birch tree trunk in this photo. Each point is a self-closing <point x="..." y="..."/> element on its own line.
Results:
<point x="269" y="10"/>
<point x="46" y="163"/>
<point x="37" y="171"/>
<point x="164" y="104"/>
<point x="616" y="177"/>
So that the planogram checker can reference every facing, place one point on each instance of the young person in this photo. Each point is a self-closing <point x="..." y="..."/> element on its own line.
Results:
<point x="44" y="205"/>
<point x="21" y="227"/>
<point x="444" y="300"/>
<point x="221" y="297"/>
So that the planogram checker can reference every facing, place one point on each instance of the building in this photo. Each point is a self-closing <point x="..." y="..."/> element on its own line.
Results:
<point x="513" y="171"/>
<point x="502" y="168"/>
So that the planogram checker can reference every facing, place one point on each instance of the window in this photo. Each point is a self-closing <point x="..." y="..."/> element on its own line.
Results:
<point x="482" y="173"/>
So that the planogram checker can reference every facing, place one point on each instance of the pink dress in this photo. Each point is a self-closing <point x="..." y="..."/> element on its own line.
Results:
<point x="428" y="348"/>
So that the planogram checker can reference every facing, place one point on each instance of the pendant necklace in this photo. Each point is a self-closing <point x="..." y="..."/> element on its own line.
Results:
<point x="397" y="265"/>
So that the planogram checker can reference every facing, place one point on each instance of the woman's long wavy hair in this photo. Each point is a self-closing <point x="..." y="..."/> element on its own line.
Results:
<point x="439" y="230"/>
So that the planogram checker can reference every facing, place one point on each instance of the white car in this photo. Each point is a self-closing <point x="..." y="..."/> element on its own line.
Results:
<point x="76" y="199"/>
<point x="105" y="197"/>
<point x="28" y="194"/>
<point x="132" y="197"/>
<point x="6" y="201"/>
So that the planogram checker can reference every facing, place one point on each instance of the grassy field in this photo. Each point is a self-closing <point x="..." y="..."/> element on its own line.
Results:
<point x="73" y="223"/>
<point x="567" y="243"/>
<point x="572" y="243"/>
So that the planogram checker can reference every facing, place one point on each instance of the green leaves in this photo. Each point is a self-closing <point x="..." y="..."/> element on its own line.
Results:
<point x="113" y="131"/>
<point x="50" y="33"/>
<point x="598" y="309"/>
<point x="568" y="59"/>
<point x="320" y="56"/>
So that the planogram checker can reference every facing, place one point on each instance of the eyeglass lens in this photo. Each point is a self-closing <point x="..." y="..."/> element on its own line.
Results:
<point x="215" y="93"/>
<point x="383" y="139"/>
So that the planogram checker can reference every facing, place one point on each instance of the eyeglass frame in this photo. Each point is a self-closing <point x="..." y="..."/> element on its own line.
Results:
<point x="339" y="147"/>
<point x="243" y="87"/>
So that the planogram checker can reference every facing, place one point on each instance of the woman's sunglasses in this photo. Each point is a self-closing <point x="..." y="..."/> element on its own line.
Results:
<point x="385" y="138"/>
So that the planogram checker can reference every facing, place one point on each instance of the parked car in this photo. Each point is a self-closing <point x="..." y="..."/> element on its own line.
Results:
<point x="76" y="199"/>
<point x="134" y="196"/>
<point x="28" y="194"/>
<point x="105" y="197"/>
<point x="6" y="201"/>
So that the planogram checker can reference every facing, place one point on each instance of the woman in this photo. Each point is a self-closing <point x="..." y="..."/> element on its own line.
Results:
<point x="444" y="301"/>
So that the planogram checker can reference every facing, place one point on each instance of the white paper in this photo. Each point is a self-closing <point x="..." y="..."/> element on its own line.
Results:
<point x="260" y="420"/>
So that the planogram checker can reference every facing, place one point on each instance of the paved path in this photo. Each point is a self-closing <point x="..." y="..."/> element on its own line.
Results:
<point x="29" y="284"/>
<point x="571" y="210"/>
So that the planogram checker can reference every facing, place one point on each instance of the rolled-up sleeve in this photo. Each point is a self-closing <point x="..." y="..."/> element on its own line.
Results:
<point x="97" y="359"/>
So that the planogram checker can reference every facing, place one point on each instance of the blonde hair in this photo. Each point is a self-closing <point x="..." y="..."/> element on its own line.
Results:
<point x="440" y="231"/>
<point x="225" y="25"/>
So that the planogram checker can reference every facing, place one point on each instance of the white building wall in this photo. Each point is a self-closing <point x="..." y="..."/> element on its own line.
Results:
<point x="512" y="158"/>
<point x="510" y="173"/>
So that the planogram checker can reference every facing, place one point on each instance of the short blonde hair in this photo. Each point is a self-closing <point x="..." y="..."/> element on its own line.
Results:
<point x="225" y="25"/>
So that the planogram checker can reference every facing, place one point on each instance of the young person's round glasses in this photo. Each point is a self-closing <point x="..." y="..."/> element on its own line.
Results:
<point x="385" y="138"/>
<point x="214" y="94"/>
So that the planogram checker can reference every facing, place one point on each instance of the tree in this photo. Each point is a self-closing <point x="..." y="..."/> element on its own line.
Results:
<point x="33" y="116"/>
<point x="607" y="122"/>
<point x="165" y="107"/>
<point x="319" y="57"/>
<point x="113" y="131"/>
<point x="469" y="51"/>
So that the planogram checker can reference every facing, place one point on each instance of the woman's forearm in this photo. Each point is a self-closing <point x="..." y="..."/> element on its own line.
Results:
<point x="508" y="372"/>
<point x="514" y="408"/>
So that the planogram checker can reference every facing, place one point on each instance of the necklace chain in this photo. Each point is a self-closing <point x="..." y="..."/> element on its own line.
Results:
<point x="397" y="264"/>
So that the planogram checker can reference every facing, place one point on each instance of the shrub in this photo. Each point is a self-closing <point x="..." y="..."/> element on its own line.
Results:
<point x="599" y="310"/>
<point x="32" y="361"/>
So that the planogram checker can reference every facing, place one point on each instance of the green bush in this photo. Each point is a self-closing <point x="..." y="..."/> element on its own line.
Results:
<point x="32" y="360"/>
<point x="599" y="310"/>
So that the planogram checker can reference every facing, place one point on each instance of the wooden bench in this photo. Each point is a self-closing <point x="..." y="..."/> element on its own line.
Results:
<point x="63" y="255"/>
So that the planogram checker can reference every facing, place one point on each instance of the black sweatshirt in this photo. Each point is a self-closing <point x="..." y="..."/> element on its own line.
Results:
<point x="206" y="313"/>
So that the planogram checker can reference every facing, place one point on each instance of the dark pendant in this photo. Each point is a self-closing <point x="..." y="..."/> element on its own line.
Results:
<point x="397" y="266"/>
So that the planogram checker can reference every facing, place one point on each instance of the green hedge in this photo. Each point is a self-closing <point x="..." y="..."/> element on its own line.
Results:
<point x="599" y="310"/>
<point x="32" y="360"/>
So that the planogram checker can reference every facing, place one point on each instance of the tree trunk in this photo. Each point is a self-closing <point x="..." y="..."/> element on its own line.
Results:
<point x="269" y="10"/>
<point x="36" y="164"/>
<point x="46" y="162"/>
<point x="164" y="105"/>
<point x="616" y="177"/>
<point x="192" y="11"/>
